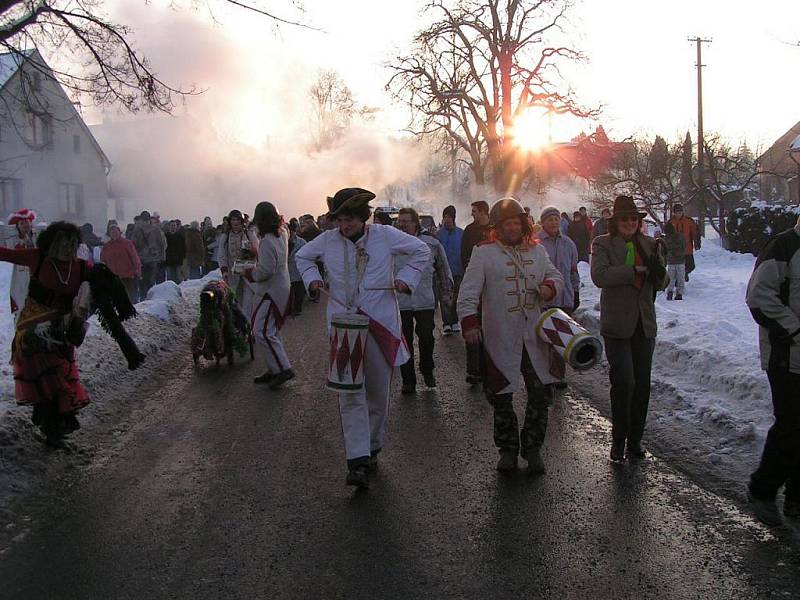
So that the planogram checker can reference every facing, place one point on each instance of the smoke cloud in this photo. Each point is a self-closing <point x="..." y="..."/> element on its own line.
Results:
<point x="245" y="138"/>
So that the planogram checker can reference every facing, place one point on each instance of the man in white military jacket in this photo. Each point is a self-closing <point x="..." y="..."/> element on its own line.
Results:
<point x="510" y="278"/>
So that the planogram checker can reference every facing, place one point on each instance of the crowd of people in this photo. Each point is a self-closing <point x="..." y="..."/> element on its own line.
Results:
<point x="491" y="281"/>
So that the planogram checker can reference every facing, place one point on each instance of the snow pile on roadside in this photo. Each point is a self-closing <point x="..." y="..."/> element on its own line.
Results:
<point x="706" y="370"/>
<point x="164" y="322"/>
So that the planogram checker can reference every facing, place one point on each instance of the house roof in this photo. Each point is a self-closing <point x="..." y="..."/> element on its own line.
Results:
<point x="10" y="63"/>
<point x="776" y="157"/>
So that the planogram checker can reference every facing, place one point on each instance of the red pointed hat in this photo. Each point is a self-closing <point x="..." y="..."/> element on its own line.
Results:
<point x="23" y="214"/>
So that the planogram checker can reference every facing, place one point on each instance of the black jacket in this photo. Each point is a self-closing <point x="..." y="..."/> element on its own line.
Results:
<point x="176" y="249"/>
<point x="473" y="235"/>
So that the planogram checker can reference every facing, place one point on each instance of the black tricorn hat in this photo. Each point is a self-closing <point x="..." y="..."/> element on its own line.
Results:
<point x="348" y="199"/>
<point x="624" y="206"/>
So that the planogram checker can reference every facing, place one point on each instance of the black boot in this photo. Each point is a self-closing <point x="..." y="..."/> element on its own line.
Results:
<point x="281" y="378"/>
<point x="264" y="378"/>
<point x="618" y="450"/>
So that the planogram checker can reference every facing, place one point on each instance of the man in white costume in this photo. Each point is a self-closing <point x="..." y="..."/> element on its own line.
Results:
<point x="510" y="278"/>
<point x="22" y="220"/>
<point x="359" y="265"/>
<point x="269" y="284"/>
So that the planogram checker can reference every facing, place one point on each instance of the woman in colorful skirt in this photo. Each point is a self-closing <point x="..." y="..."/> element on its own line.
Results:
<point x="49" y="326"/>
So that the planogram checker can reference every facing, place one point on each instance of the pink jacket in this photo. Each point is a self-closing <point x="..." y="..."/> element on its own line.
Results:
<point x="120" y="256"/>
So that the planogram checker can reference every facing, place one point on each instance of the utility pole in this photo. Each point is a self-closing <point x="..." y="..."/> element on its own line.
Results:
<point x="700" y="142"/>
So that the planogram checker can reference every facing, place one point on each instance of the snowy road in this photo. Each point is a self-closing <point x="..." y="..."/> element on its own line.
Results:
<point x="220" y="489"/>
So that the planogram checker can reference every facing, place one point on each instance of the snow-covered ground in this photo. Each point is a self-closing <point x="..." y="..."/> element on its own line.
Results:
<point x="706" y="374"/>
<point x="162" y="327"/>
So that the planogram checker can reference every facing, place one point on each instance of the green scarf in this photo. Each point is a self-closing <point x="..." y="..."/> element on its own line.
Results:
<point x="630" y="256"/>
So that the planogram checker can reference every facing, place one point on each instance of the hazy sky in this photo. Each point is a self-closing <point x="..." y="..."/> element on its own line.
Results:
<point x="641" y="65"/>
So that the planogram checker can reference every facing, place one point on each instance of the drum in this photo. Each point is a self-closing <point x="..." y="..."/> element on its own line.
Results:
<point x="348" y="338"/>
<point x="580" y="349"/>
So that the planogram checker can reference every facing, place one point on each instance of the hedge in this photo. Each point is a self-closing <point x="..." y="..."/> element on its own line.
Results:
<point x="748" y="229"/>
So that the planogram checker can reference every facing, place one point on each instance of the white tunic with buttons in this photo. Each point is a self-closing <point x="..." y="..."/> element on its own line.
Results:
<point x="504" y="281"/>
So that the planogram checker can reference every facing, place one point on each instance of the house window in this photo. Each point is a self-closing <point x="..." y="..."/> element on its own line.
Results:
<point x="10" y="195"/>
<point x="76" y="144"/>
<point x="70" y="199"/>
<point x="40" y="132"/>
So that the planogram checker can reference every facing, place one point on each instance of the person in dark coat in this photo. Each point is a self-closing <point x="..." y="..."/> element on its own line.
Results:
<point x="474" y="233"/>
<point x="628" y="267"/>
<point x="578" y="233"/>
<point x="176" y="252"/>
<point x="195" y="250"/>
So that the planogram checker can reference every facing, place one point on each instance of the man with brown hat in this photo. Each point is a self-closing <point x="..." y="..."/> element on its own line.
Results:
<point x="359" y="263"/>
<point x="511" y="278"/>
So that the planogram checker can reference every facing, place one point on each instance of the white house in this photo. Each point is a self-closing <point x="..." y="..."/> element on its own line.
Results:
<point x="49" y="160"/>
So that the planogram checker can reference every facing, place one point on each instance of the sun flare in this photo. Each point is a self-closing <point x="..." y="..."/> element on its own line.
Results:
<point x="532" y="130"/>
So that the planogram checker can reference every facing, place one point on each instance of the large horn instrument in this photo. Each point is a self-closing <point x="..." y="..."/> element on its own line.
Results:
<point x="580" y="349"/>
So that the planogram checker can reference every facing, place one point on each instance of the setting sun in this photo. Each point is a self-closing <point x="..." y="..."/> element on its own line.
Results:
<point x="532" y="130"/>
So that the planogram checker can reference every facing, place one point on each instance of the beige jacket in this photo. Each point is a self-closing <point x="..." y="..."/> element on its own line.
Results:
<point x="621" y="303"/>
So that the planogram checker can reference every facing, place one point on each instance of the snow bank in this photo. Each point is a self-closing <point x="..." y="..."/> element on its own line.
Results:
<point x="163" y="325"/>
<point x="706" y="371"/>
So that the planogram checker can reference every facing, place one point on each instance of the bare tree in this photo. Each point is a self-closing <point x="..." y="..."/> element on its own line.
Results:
<point x="479" y="66"/>
<point x="333" y="109"/>
<point x="109" y="68"/>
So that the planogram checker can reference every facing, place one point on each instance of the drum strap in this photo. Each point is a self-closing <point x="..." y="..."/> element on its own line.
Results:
<point x="361" y="267"/>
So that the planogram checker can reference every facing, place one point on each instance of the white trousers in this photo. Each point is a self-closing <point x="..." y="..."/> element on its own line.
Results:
<point x="268" y="338"/>
<point x="677" y="274"/>
<point x="364" y="415"/>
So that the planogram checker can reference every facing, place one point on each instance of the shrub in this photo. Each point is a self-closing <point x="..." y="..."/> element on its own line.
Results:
<point x="749" y="228"/>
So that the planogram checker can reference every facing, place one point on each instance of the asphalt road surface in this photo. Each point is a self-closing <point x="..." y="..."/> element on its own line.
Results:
<point x="221" y="489"/>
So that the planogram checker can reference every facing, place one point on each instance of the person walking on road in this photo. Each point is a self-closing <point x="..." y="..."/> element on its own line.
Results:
<point x="450" y="236"/>
<point x="474" y="233"/>
<point x="175" y="253"/>
<point x="298" y="289"/>
<point x="22" y="220"/>
<point x="578" y="232"/>
<point x="420" y="306"/>
<point x="773" y="296"/>
<point x="359" y="262"/>
<point x="688" y="229"/>
<point x="628" y="267"/>
<point x="119" y="255"/>
<point x="151" y="245"/>
<point x="269" y="283"/>
<point x="676" y="261"/>
<point x="237" y="244"/>
<point x="511" y="278"/>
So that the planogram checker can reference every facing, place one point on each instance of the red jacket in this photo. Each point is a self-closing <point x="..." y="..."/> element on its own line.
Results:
<point x="688" y="228"/>
<point x="120" y="256"/>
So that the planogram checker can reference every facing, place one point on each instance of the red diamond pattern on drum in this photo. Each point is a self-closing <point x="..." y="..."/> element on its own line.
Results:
<point x="562" y="326"/>
<point x="334" y="347"/>
<point x="555" y="337"/>
<point x="355" y="358"/>
<point x="343" y="356"/>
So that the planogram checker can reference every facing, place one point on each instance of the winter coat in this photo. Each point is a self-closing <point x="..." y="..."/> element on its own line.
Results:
<point x="578" y="233"/>
<point x="676" y="248"/>
<point x="564" y="255"/>
<point x="473" y="234"/>
<point x="505" y="282"/>
<point x="195" y="248"/>
<point x="435" y="275"/>
<point x="176" y="249"/>
<point x="295" y="245"/>
<point x="450" y="239"/>
<point x="150" y="243"/>
<point x="120" y="256"/>
<point x="688" y="228"/>
<point x="271" y="274"/>
<point x="773" y="296"/>
<point x="622" y="304"/>
<point x="600" y="227"/>
<point x="373" y="295"/>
